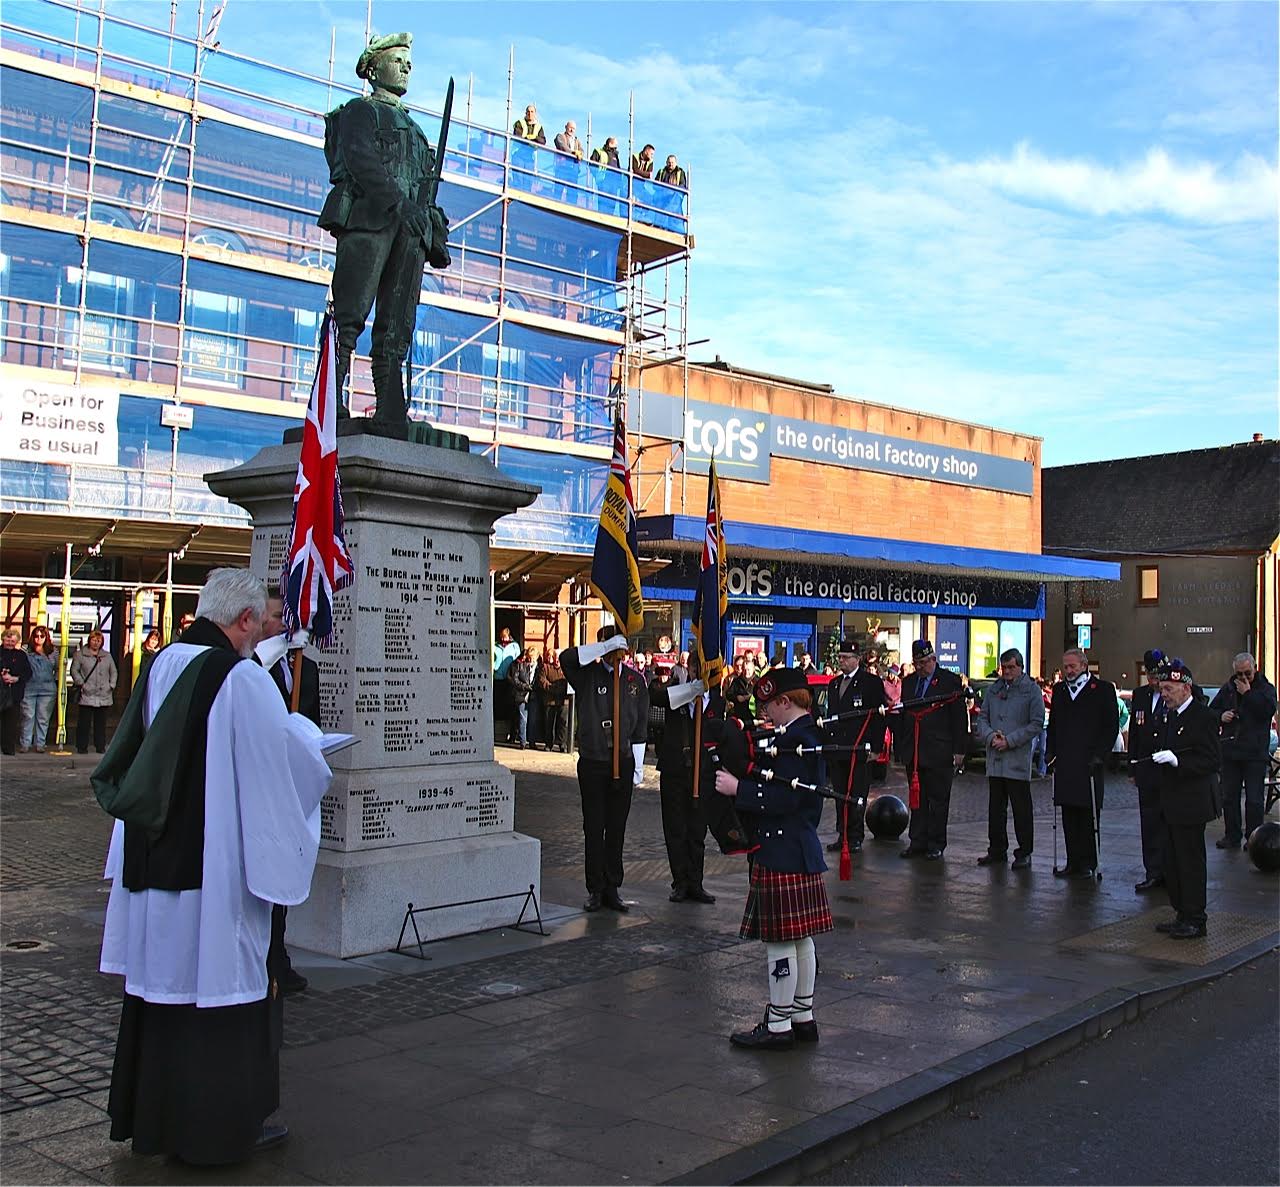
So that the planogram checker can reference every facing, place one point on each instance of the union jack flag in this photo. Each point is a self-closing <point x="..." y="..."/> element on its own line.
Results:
<point x="318" y="564"/>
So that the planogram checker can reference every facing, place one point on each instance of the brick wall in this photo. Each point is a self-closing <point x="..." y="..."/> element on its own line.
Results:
<point x="807" y="494"/>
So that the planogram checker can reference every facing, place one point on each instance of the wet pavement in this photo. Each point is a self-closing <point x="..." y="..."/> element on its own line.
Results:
<point x="598" y="1053"/>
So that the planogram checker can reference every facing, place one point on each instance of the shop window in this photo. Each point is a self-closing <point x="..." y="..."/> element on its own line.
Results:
<point x="984" y="643"/>
<point x="103" y="339"/>
<point x="213" y="341"/>
<point x="1148" y="585"/>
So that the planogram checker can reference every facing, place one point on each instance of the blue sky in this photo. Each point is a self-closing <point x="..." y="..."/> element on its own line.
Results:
<point x="1055" y="218"/>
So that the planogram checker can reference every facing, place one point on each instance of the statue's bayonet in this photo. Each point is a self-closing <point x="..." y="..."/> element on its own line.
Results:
<point x="433" y="183"/>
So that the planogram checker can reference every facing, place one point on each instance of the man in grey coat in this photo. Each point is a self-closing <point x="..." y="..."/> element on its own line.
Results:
<point x="1011" y="717"/>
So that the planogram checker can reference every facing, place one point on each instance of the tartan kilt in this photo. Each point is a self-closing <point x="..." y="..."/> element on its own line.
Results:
<point x="784" y="907"/>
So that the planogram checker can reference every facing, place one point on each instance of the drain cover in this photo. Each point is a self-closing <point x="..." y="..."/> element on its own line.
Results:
<point x="25" y="945"/>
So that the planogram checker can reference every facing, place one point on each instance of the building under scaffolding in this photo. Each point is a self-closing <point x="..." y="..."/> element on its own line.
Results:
<point x="162" y="281"/>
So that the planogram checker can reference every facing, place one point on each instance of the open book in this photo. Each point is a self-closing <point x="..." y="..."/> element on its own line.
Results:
<point x="332" y="743"/>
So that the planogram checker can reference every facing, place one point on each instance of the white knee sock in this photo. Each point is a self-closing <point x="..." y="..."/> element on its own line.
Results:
<point x="806" y="974"/>
<point x="782" y="985"/>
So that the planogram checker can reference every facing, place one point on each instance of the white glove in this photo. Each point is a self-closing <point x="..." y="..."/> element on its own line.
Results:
<point x="1165" y="758"/>
<point x="271" y="651"/>
<point x="590" y="652"/>
<point x="681" y="694"/>
<point x="637" y="753"/>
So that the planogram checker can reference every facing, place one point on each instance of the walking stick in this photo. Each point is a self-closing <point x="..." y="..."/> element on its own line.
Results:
<point x="1097" y="828"/>
<point x="1053" y="810"/>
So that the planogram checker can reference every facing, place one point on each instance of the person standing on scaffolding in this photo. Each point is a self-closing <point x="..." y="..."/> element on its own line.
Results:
<point x="382" y="212"/>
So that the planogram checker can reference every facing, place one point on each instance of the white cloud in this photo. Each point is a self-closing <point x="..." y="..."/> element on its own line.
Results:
<point x="1196" y="192"/>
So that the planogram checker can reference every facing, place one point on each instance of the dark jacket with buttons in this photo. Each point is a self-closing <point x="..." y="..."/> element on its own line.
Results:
<point x="593" y="703"/>
<point x="1187" y="790"/>
<point x="786" y="818"/>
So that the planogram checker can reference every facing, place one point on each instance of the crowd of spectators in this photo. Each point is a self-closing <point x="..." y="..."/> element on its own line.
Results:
<point x="604" y="158"/>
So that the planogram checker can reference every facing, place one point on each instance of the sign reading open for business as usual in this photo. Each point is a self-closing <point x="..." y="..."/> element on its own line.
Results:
<point x="55" y="422"/>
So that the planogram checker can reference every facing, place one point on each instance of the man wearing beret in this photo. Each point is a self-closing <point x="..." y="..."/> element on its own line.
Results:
<point x="1186" y="761"/>
<point x="606" y="801"/>
<point x="931" y="736"/>
<point x="787" y="900"/>
<point x="854" y="690"/>
<point x="382" y="212"/>
<point x="1084" y="719"/>
<point x="1147" y="711"/>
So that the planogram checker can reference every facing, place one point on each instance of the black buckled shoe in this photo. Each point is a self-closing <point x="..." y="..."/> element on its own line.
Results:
<point x="698" y="895"/>
<point x="1186" y="930"/>
<point x="613" y="901"/>
<point x="1066" y="871"/>
<point x="678" y="895"/>
<point x="1021" y="863"/>
<point x="1228" y="842"/>
<point x="592" y="903"/>
<point x="933" y="855"/>
<point x="1081" y="875"/>
<point x="992" y="859"/>
<point x="911" y="851"/>
<point x="1168" y="925"/>
<point x="761" y="1038"/>
<point x="805" y="1032"/>
<point x="835" y="846"/>
<point x="1148" y="884"/>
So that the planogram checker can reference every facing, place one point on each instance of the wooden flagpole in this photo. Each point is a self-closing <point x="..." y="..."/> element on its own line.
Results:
<point x="296" y="695"/>
<point x="697" y="746"/>
<point x="617" y="723"/>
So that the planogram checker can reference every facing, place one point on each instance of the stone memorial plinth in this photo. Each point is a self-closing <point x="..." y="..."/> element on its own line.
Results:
<point x="418" y="811"/>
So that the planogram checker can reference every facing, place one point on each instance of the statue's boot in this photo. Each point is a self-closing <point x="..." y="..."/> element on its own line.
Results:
<point x="344" y="367"/>
<point x="388" y="388"/>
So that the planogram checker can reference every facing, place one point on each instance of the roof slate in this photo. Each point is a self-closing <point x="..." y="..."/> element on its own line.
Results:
<point x="1227" y="501"/>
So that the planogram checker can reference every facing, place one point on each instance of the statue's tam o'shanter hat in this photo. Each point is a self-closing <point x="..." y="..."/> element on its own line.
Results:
<point x="377" y="45"/>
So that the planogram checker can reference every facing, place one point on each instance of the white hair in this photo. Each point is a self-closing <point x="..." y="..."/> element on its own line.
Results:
<point x="1244" y="658"/>
<point x="228" y="593"/>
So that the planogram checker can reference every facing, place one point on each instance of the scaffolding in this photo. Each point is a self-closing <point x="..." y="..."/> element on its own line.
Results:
<point x="161" y="164"/>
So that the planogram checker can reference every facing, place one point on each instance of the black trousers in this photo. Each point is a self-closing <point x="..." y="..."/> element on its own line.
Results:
<point x="388" y="265"/>
<point x="1185" y="873"/>
<point x="556" y="727"/>
<point x="684" y="828"/>
<point x="606" y="804"/>
<point x="10" y="728"/>
<point x="928" y="826"/>
<point x="94" y="716"/>
<point x="839" y="769"/>
<point x="1251" y="773"/>
<point x="1004" y="791"/>
<point x="1151" y="819"/>
<point x="1077" y="834"/>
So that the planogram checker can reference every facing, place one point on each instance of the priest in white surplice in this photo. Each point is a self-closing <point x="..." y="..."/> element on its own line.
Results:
<point x="189" y="920"/>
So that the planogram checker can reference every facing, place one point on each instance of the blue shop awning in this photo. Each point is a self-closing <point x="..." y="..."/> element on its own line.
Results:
<point x="680" y="533"/>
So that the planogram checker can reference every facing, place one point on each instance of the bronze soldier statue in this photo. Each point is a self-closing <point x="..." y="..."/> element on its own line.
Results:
<point x="382" y="212"/>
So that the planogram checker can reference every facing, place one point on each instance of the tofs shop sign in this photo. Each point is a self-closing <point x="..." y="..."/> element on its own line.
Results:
<point x="743" y="442"/>
<point x="784" y="583"/>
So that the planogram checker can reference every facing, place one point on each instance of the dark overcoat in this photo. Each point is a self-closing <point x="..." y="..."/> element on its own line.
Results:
<point x="1081" y="735"/>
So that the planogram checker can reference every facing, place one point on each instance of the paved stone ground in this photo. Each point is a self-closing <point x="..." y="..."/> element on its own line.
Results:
<point x="597" y="1054"/>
